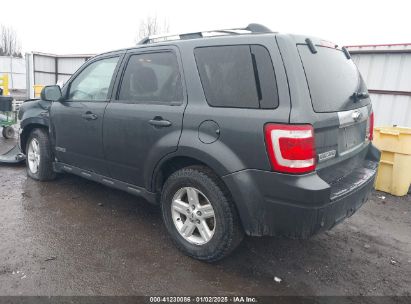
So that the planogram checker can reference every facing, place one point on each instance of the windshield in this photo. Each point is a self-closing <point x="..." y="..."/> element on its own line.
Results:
<point x="332" y="79"/>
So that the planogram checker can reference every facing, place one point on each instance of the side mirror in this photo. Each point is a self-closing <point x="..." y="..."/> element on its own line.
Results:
<point x="51" y="93"/>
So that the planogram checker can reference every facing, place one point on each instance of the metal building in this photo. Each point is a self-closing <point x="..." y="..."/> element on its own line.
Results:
<point x="47" y="69"/>
<point x="387" y="71"/>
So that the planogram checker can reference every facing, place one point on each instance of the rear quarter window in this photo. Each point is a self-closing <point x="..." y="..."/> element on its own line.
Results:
<point x="238" y="76"/>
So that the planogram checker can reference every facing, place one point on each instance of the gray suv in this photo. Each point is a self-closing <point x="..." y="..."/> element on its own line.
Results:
<point x="231" y="132"/>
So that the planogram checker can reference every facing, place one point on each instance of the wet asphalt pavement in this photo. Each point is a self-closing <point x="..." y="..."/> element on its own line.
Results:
<point x="75" y="237"/>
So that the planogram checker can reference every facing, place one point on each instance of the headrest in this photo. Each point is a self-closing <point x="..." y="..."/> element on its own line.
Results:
<point x="146" y="80"/>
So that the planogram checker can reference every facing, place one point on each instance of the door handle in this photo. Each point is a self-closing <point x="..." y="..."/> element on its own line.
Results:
<point x="89" y="116"/>
<point x="159" y="122"/>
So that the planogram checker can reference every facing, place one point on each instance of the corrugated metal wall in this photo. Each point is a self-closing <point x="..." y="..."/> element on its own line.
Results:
<point x="15" y="68"/>
<point x="44" y="68"/>
<point x="67" y="66"/>
<point x="387" y="72"/>
<point x="47" y="69"/>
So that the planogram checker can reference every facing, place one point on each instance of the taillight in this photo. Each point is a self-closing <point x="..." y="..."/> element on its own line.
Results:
<point x="291" y="148"/>
<point x="370" y="127"/>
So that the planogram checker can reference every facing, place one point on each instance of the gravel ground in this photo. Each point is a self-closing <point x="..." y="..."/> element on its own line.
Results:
<point x="75" y="237"/>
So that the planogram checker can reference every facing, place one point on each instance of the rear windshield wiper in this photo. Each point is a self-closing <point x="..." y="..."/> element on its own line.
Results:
<point x="357" y="96"/>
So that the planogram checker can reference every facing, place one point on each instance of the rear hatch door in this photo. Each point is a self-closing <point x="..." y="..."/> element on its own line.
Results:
<point x="341" y="105"/>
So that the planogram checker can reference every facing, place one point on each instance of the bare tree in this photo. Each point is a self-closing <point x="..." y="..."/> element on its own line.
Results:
<point x="9" y="42"/>
<point x="152" y="26"/>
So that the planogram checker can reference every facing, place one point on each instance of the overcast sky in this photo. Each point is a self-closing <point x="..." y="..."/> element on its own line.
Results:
<point x="73" y="26"/>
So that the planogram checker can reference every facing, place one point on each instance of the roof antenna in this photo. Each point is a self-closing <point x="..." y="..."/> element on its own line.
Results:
<point x="257" y="28"/>
<point x="346" y="52"/>
<point x="311" y="46"/>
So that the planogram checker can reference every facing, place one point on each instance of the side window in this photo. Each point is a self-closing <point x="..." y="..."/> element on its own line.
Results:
<point x="93" y="82"/>
<point x="266" y="77"/>
<point x="237" y="76"/>
<point x="152" y="77"/>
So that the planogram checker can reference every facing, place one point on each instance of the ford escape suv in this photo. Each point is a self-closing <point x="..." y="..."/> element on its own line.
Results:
<point x="232" y="132"/>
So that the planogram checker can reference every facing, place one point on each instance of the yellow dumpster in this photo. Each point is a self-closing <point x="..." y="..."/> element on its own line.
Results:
<point x="37" y="90"/>
<point x="394" y="170"/>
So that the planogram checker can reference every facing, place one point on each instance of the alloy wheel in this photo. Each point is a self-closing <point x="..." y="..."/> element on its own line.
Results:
<point x="193" y="215"/>
<point x="33" y="156"/>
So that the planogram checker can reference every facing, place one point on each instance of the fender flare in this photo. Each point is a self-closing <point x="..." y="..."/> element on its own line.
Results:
<point x="220" y="167"/>
<point x="29" y="124"/>
<point x="34" y="120"/>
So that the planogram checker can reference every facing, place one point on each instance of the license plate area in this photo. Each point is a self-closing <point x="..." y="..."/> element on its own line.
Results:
<point x="351" y="137"/>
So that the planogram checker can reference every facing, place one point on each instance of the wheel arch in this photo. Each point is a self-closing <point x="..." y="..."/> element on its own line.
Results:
<point x="27" y="129"/>
<point x="218" y="157"/>
<point x="176" y="161"/>
<point x="168" y="166"/>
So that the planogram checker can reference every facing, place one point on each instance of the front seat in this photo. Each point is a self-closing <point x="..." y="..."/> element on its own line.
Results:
<point x="143" y="83"/>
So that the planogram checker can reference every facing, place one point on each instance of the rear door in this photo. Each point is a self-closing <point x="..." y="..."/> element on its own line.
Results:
<point x="77" y="121"/>
<point x="144" y="122"/>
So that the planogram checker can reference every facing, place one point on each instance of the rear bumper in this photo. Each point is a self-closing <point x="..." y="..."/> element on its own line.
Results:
<point x="298" y="206"/>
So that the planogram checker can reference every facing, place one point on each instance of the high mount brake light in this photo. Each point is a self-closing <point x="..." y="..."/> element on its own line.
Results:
<point x="291" y="148"/>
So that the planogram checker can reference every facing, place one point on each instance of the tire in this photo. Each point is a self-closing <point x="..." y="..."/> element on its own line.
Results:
<point x="43" y="157"/>
<point x="225" y="228"/>
<point x="8" y="132"/>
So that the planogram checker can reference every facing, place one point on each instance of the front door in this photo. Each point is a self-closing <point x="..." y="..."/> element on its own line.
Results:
<point x="144" y="121"/>
<point x="77" y="120"/>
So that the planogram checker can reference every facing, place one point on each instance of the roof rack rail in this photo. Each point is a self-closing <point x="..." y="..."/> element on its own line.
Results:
<point x="251" y="28"/>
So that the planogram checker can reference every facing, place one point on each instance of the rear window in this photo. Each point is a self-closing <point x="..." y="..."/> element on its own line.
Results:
<point x="152" y="77"/>
<point x="332" y="79"/>
<point x="240" y="76"/>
